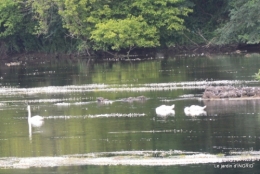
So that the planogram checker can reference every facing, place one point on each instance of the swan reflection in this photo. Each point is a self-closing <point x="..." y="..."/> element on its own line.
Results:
<point x="223" y="107"/>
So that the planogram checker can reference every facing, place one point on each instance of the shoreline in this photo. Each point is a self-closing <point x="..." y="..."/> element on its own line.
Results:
<point x="140" y="53"/>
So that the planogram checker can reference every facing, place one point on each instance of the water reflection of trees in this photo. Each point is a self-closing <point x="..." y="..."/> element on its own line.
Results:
<point x="216" y="107"/>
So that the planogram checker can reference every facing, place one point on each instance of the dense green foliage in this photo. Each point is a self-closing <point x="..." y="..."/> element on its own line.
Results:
<point x="201" y="25"/>
<point x="125" y="33"/>
<point x="257" y="75"/>
<point x="115" y="25"/>
<point x="244" y="24"/>
<point x="84" y="26"/>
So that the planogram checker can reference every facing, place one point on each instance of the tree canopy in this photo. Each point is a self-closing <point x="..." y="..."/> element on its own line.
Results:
<point x="112" y="25"/>
<point x="243" y="25"/>
<point x="125" y="33"/>
<point x="123" y="24"/>
<point x="95" y="24"/>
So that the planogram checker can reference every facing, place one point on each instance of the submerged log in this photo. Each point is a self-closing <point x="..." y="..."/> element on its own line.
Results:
<point x="222" y="92"/>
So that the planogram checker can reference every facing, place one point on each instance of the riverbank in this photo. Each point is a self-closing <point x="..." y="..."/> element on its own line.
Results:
<point x="136" y="54"/>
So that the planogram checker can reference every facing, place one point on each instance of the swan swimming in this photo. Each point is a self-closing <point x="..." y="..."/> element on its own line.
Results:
<point x="35" y="121"/>
<point x="195" y="110"/>
<point x="165" y="110"/>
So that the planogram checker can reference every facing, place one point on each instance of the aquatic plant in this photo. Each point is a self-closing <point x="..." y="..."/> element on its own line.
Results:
<point x="220" y="155"/>
<point x="257" y="75"/>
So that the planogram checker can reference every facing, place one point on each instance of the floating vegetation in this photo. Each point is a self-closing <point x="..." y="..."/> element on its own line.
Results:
<point x="13" y="63"/>
<point x="102" y="100"/>
<point x="66" y="137"/>
<point x="62" y="104"/>
<point x="144" y="158"/>
<point x="123" y="87"/>
<point x="117" y="115"/>
<point x="68" y="104"/>
<point x="82" y="103"/>
<point x="148" y="153"/>
<point x="156" y="131"/>
<point x="56" y="101"/>
<point x="187" y="96"/>
<point x="92" y="116"/>
<point x="224" y="92"/>
<point x="201" y="84"/>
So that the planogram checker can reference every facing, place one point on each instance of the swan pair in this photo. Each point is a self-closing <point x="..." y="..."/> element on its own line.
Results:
<point x="193" y="110"/>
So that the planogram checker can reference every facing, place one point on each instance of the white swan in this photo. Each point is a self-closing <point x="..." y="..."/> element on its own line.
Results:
<point x="164" y="110"/>
<point x="35" y="121"/>
<point x="195" y="110"/>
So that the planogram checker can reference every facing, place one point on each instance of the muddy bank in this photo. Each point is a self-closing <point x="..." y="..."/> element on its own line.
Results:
<point x="230" y="92"/>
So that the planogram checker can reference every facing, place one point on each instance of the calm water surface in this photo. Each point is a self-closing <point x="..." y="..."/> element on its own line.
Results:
<point x="75" y="124"/>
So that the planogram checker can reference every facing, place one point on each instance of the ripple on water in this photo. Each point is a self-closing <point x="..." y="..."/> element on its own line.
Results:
<point x="159" y="131"/>
<point x="123" y="87"/>
<point x="145" y="158"/>
<point x="90" y="116"/>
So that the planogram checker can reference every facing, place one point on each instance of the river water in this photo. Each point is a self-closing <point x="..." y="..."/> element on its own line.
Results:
<point x="65" y="93"/>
